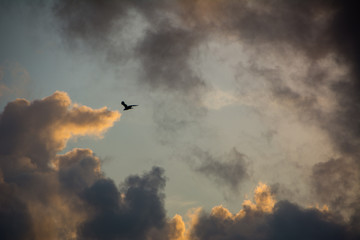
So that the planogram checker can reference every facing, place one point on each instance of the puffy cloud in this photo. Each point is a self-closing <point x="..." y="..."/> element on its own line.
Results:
<point x="40" y="189"/>
<point x="177" y="228"/>
<point x="32" y="132"/>
<point x="266" y="219"/>
<point x="129" y="217"/>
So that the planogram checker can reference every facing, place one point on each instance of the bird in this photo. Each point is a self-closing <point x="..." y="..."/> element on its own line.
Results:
<point x="127" y="107"/>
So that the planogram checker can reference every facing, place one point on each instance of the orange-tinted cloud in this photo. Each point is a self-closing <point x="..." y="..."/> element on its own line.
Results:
<point x="33" y="132"/>
<point x="44" y="187"/>
<point x="267" y="220"/>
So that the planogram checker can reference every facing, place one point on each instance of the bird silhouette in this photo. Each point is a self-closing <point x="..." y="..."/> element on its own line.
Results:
<point x="127" y="107"/>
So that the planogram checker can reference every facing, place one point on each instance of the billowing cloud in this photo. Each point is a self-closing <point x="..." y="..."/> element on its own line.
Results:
<point x="39" y="188"/>
<point x="130" y="215"/>
<point x="32" y="132"/>
<point x="266" y="219"/>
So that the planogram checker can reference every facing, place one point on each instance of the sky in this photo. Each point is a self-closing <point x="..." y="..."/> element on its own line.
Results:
<point x="247" y="124"/>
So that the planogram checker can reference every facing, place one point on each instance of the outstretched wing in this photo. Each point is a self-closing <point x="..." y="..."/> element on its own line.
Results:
<point x="123" y="103"/>
<point x="133" y="105"/>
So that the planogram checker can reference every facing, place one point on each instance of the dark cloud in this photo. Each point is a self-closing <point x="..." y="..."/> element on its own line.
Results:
<point x="291" y="221"/>
<point x="15" y="219"/>
<point x="285" y="221"/>
<point x="336" y="183"/>
<point x="165" y="54"/>
<point x="78" y="169"/>
<point x="319" y="29"/>
<point x="230" y="170"/>
<point x="92" y="20"/>
<point x="128" y="216"/>
<point x="164" y="51"/>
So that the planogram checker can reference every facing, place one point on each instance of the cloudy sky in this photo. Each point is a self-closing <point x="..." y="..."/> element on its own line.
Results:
<point x="247" y="125"/>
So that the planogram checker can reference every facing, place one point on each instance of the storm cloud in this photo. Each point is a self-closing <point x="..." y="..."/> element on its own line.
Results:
<point x="268" y="219"/>
<point x="128" y="216"/>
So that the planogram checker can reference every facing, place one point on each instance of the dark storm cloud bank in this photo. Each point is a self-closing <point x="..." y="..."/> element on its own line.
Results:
<point x="266" y="219"/>
<point x="128" y="216"/>
<point x="287" y="221"/>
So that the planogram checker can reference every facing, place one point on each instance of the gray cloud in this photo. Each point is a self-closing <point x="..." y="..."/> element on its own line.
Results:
<point x="15" y="220"/>
<point x="266" y="219"/>
<point x="287" y="221"/>
<point x="336" y="183"/>
<point x="229" y="170"/>
<point x="163" y="51"/>
<point x="131" y="217"/>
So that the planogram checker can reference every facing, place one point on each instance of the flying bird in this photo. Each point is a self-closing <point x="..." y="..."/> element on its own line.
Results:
<point x="127" y="107"/>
